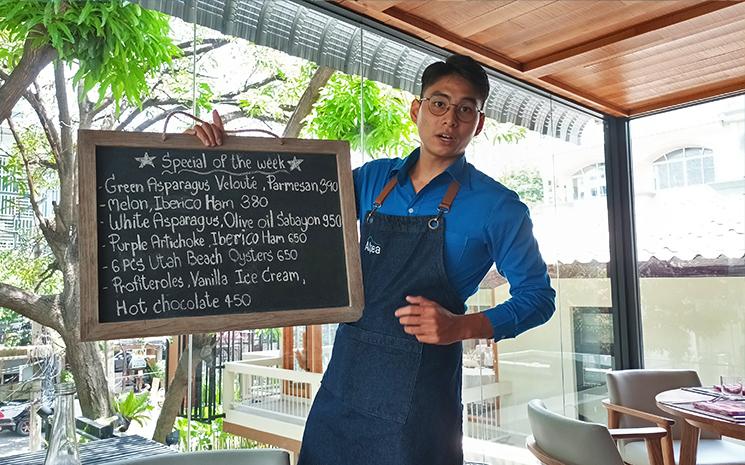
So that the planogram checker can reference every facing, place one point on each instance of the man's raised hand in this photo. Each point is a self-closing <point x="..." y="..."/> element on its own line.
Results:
<point x="211" y="134"/>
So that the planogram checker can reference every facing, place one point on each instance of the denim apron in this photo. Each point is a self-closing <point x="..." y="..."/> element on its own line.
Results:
<point x="387" y="399"/>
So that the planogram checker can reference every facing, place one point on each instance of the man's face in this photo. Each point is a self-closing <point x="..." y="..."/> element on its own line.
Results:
<point x="446" y="136"/>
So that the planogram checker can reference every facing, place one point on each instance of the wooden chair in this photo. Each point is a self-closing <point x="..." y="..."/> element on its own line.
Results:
<point x="632" y="404"/>
<point x="558" y="440"/>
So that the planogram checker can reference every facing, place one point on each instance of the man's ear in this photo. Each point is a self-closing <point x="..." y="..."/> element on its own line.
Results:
<point x="480" y="126"/>
<point x="416" y="105"/>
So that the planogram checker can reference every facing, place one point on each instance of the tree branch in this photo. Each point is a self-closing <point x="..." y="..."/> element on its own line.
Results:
<point x="46" y="123"/>
<point x="135" y="110"/>
<point x="183" y="103"/>
<point x="305" y="104"/>
<point x="234" y="115"/>
<point x="149" y="104"/>
<point x="65" y="209"/>
<point x="32" y="62"/>
<point x="43" y="222"/>
<point x="86" y="111"/>
<point x="43" y="309"/>
<point x="48" y="164"/>
<point x="50" y="130"/>
<point x="162" y="115"/>
<point x="206" y="46"/>
<point x="47" y="274"/>
<point x="107" y="102"/>
<point x="60" y="86"/>
<point x="251" y="85"/>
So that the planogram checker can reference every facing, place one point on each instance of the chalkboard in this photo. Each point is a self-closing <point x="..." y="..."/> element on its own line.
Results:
<point x="179" y="238"/>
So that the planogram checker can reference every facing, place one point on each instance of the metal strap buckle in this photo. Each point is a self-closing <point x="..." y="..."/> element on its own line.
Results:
<point x="369" y="218"/>
<point x="434" y="223"/>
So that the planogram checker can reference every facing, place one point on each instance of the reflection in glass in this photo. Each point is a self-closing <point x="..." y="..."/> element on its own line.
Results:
<point x="691" y="239"/>
<point x="564" y="361"/>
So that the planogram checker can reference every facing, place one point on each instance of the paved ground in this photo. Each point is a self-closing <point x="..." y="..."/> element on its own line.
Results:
<point x="12" y="443"/>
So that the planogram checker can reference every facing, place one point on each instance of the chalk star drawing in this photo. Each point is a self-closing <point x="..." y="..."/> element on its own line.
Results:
<point x="295" y="163"/>
<point x="145" y="160"/>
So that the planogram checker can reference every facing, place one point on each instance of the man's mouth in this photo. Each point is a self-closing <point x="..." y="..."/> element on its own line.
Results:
<point x="446" y="137"/>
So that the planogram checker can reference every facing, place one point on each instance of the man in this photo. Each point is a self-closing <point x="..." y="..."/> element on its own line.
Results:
<point x="431" y="227"/>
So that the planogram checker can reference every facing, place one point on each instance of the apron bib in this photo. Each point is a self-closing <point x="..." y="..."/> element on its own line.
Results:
<point x="387" y="399"/>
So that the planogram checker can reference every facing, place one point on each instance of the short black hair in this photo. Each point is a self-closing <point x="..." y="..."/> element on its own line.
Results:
<point x="460" y="65"/>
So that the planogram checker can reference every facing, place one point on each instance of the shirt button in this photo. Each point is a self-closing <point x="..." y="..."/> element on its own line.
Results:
<point x="411" y="210"/>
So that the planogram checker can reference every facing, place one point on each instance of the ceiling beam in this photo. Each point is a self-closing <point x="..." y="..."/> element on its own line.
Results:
<point x="576" y="55"/>
<point x="717" y="89"/>
<point x="376" y="5"/>
<point x="436" y="35"/>
<point x="438" y="31"/>
<point x="583" y="97"/>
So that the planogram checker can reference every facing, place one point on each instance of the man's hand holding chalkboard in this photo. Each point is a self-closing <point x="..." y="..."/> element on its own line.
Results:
<point x="211" y="134"/>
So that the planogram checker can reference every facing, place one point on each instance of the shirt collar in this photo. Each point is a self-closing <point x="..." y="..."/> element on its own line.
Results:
<point x="458" y="170"/>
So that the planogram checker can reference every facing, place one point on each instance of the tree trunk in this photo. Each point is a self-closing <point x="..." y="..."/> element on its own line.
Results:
<point x="85" y="358"/>
<point x="32" y="62"/>
<point x="305" y="104"/>
<point x="201" y="350"/>
<point x="86" y="365"/>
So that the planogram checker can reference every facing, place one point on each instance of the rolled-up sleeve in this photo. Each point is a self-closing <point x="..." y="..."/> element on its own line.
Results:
<point x="515" y="252"/>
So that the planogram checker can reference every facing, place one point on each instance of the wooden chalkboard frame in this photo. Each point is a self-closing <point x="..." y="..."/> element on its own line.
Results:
<point x="91" y="328"/>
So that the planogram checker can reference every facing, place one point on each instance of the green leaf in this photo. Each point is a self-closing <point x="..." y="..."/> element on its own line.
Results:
<point x="134" y="407"/>
<point x="87" y="8"/>
<point x="337" y="114"/>
<point x="117" y="45"/>
<point x="63" y="27"/>
<point x="527" y="183"/>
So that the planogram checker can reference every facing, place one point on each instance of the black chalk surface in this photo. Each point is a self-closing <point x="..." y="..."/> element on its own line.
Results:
<point x="186" y="232"/>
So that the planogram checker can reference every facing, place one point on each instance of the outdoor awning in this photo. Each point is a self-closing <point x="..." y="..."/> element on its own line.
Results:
<point x="305" y="32"/>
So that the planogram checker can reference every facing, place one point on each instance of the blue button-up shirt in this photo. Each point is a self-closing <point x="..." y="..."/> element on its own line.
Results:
<point x="487" y="224"/>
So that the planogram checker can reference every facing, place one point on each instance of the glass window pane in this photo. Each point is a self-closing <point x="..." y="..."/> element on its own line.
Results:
<point x="571" y="352"/>
<point x="677" y="177"/>
<point x="691" y="242"/>
<point x="708" y="169"/>
<point x="694" y="171"/>
<point x="691" y="152"/>
<point x="675" y="155"/>
<point x="662" y="176"/>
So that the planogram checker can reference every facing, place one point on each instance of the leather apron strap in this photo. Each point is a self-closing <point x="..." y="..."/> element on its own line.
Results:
<point x="444" y="207"/>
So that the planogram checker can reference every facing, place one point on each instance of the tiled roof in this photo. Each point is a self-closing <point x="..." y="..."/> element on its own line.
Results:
<point x="692" y="223"/>
<point x="682" y="224"/>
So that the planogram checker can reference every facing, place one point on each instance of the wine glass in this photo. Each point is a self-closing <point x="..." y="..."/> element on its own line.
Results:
<point x="731" y="384"/>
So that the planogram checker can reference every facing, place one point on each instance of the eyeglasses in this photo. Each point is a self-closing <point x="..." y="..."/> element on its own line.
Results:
<point x="438" y="105"/>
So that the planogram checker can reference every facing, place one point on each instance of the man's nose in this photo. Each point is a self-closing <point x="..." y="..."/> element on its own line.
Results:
<point x="450" y="117"/>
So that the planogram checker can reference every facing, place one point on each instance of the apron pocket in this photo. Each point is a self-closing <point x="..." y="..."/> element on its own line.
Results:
<point x="374" y="373"/>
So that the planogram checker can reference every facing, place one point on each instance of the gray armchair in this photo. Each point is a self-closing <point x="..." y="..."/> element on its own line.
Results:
<point x="558" y="440"/>
<point x="222" y="457"/>
<point x="632" y="404"/>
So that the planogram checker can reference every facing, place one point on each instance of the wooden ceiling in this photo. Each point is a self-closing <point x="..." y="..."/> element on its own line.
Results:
<point x="622" y="57"/>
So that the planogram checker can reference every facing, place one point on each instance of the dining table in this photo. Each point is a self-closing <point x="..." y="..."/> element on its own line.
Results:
<point x="680" y="404"/>
<point x="100" y="452"/>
